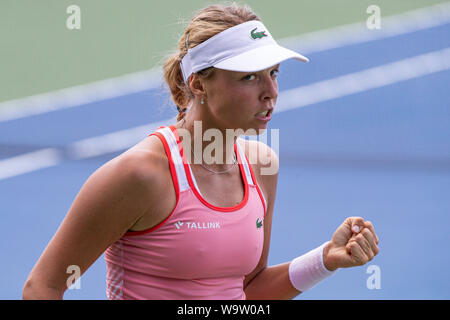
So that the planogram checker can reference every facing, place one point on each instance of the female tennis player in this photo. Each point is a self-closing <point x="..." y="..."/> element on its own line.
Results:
<point x="173" y="228"/>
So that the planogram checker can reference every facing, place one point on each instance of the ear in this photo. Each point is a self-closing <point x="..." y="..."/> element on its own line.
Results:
<point x="196" y="85"/>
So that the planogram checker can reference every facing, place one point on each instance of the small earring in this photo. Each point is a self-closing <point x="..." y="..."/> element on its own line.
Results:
<point x="202" y="101"/>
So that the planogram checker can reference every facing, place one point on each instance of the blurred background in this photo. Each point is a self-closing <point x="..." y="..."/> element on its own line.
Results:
<point x="364" y="128"/>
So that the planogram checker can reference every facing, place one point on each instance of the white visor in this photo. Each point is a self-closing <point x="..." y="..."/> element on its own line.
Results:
<point x="247" y="47"/>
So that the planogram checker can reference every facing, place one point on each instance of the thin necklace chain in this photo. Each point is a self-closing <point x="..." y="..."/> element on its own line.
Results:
<point x="206" y="168"/>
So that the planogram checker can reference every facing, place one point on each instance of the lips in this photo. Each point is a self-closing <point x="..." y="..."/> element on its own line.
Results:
<point x="264" y="115"/>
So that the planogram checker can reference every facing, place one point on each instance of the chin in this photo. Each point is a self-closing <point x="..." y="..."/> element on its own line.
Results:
<point x="261" y="129"/>
<point x="251" y="128"/>
<point x="254" y="129"/>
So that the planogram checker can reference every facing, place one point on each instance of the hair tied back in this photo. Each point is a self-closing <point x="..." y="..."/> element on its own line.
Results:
<point x="186" y="43"/>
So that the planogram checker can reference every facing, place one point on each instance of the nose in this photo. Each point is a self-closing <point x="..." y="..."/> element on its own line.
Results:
<point x="269" y="88"/>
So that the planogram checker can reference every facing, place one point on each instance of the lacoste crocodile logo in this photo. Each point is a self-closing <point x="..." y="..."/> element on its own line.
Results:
<point x="258" y="223"/>
<point x="258" y="35"/>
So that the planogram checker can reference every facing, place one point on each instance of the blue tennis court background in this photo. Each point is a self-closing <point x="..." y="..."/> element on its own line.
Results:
<point x="383" y="154"/>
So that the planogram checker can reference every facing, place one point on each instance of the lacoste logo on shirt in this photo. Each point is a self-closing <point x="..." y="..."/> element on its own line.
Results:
<point x="259" y="224"/>
<point x="197" y="225"/>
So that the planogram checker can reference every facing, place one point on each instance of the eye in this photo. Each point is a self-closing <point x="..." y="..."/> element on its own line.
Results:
<point x="274" y="72"/>
<point x="248" y="77"/>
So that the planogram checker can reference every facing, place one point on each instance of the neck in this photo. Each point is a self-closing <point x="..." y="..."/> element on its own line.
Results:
<point x="207" y="144"/>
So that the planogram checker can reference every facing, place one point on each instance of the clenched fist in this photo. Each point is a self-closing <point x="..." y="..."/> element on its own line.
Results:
<point x="354" y="243"/>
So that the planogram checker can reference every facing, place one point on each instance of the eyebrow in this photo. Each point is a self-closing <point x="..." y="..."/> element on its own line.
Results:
<point x="243" y="73"/>
<point x="277" y="66"/>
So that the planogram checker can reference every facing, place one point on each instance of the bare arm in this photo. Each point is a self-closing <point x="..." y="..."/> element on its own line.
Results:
<point x="109" y="203"/>
<point x="347" y="248"/>
<point x="268" y="282"/>
<point x="272" y="283"/>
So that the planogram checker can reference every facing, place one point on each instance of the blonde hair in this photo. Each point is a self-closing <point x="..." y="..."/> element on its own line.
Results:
<point x="205" y="24"/>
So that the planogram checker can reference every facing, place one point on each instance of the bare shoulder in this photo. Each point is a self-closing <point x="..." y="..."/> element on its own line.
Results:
<point x="147" y="165"/>
<point x="263" y="159"/>
<point x="112" y="200"/>
<point x="124" y="190"/>
<point x="265" y="164"/>
<point x="127" y="182"/>
<point x="144" y="162"/>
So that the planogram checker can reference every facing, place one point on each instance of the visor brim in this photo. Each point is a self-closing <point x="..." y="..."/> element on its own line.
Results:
<point x="259" y="59"/>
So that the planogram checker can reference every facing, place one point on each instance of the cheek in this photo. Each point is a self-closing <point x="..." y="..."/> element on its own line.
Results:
<point x="238" y="99"/>
<point x="234" y="102"/>
<point x="238" y="110"/>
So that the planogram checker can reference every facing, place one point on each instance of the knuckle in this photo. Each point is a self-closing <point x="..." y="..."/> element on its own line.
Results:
<point x="355" y="219"/>
<point x="352" y="246"/>
<point x="367" y="257"/>
<point x="349" y="220"/>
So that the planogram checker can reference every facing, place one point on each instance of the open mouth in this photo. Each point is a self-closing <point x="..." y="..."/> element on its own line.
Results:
<point x="264" y="114"/>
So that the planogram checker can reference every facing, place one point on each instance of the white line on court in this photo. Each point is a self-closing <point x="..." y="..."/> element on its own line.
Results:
<point x="364" y="80"/>
<point x="80" y="95"/>
<point x="411" y="21"/>
<point x="29" y="162"/>
<point x="112" y="142"/>
<point x="360" y="81"/>
<point x="391" y="26"/>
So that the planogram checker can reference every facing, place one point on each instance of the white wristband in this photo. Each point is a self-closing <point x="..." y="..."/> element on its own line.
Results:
<point x="308" y="270"/>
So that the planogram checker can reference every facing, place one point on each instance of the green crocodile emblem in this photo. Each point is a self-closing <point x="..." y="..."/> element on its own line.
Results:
<point x="258" y="35"/>
<point x="259" y="223"/>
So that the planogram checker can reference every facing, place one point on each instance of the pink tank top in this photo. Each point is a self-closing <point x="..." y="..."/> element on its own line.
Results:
<point x="199" y="251"/>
